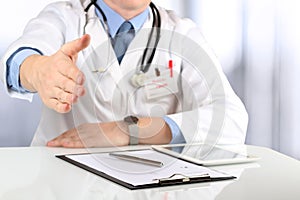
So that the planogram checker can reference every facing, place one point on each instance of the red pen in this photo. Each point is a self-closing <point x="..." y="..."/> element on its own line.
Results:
<point x="171" y="68"/>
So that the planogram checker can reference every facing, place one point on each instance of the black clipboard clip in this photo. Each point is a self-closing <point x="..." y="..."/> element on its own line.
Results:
<point x="181" y="179"/>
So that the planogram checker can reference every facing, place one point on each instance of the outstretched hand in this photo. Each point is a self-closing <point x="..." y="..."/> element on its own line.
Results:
<point x="56" y="78"/>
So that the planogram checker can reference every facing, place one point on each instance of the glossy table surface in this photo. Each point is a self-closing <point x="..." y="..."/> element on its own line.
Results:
<point x="34" y="173"/>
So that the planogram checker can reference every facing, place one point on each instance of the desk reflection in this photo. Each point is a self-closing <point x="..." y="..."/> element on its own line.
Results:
<point x="36" y="174"/>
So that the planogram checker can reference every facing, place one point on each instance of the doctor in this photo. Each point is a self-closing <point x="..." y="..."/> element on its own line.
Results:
<point x="96" y="95"/>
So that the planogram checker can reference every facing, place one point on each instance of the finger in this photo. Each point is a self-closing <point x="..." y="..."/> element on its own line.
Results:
<point x="69" y="139"/>
<point x="58" y="106"/>
<point x="64" y="97"/>
<point x="53" y="143"/>
<point x="73" y="144"/>
<point x="56" y="142"/>
<point x="76" y="143"/>
<point x="59" y="142"/>
<point x="68" y="86"/>
<point x="72" y="48"/>
<point x="70" y="70"/>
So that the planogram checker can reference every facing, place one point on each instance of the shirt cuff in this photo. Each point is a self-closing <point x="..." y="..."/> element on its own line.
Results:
<point x="177" y="137"/>
<point x="13" y="68"/>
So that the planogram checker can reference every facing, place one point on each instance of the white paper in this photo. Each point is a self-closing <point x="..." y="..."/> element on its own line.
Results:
<point x="140" y="174"/>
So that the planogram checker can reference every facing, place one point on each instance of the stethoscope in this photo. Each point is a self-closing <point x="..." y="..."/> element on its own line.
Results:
<point x="139" y="77"/>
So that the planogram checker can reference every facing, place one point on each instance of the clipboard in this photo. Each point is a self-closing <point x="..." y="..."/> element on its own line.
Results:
<point x="138" y="176"/>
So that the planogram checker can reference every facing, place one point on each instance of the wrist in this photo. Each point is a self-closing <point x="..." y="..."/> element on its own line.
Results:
<point x="133" y="129"/>
<point x="28" y="72"/>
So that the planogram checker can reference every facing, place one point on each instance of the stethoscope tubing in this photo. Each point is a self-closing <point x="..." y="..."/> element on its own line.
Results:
<point x="156" y="24"/>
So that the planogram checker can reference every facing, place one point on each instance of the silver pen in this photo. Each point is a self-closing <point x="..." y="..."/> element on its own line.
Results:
<point x="137" y="159"/>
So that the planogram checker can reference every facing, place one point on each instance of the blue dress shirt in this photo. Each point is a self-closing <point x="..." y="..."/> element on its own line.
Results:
<point x="114" y="21"/>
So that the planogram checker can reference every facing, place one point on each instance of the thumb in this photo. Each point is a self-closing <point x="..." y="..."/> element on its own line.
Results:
<point x="72" y="48"/>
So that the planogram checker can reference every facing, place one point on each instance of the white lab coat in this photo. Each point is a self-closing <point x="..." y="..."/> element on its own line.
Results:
<point x="205" y="107"/>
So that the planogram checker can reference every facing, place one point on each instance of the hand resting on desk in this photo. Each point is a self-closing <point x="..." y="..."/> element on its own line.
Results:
<point x="151" y="131"/>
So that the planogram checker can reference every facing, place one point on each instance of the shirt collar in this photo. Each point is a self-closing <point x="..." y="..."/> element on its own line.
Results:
<point x="114" y="20"/>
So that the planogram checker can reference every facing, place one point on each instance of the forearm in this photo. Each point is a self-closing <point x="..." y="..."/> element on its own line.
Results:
<point x="151" y="131"/>
<point x="154" y="130"/>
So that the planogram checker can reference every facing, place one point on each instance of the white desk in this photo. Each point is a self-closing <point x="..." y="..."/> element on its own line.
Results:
<point x="34" y="173"/>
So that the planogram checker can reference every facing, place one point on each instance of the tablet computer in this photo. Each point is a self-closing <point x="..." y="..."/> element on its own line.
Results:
<point x="204" y="154"/>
